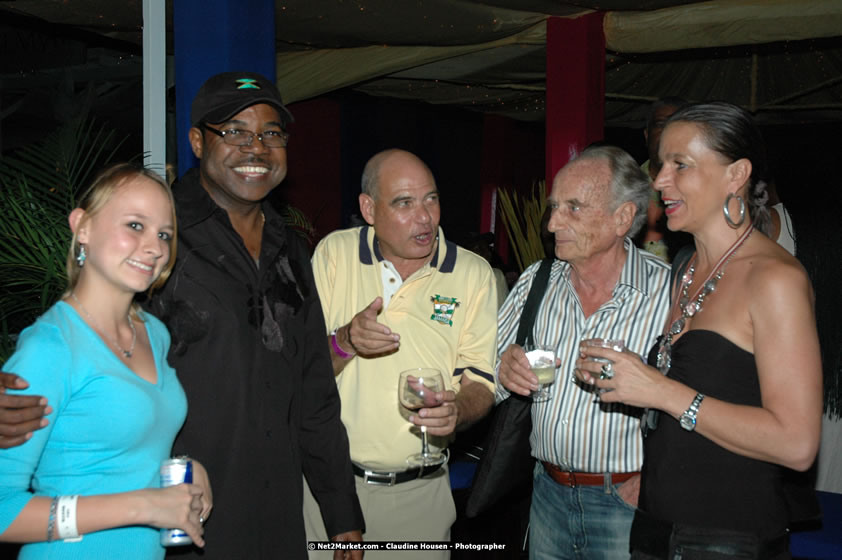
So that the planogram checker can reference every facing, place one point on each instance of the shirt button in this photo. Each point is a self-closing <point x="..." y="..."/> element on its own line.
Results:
<point x="268" y="433"/>
<point x="392" y="280"/>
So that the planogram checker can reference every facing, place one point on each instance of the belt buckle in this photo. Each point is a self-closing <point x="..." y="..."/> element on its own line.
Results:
<point x="392" y="476"/>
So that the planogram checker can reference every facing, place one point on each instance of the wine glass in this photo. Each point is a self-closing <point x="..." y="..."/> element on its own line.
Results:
<point x="417" y="389"/>
<point x="542" y="361"/>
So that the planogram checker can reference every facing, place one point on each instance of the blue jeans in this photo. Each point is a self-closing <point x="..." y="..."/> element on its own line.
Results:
<point x="582" y="523"/>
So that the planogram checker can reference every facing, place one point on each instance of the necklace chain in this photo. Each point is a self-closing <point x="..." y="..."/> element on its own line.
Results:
<point x="691" y="306"/>
<point x="126" y="353"/>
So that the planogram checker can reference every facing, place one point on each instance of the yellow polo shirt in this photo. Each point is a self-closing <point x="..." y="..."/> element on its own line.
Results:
<point x="446" y="315"/>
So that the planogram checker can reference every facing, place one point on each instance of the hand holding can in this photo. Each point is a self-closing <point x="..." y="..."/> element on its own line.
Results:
<point x="173" y="472"/>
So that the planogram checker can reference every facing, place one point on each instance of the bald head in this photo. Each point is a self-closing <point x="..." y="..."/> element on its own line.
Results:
<point x="401" y="201"/>
<point x="392" y="159"/>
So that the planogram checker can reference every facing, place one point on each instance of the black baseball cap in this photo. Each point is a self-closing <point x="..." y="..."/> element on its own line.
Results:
<point x="224" y="95"/>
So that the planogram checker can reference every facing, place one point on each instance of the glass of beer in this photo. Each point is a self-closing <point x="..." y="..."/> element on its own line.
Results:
<point x="542" y="362"/>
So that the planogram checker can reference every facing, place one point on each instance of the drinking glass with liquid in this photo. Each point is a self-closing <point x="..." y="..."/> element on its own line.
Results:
<point x="542" y="362"/>
<point x="617" y="345"/>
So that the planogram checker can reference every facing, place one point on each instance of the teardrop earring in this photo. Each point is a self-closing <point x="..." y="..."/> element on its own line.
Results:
<point x="82" y="256"/>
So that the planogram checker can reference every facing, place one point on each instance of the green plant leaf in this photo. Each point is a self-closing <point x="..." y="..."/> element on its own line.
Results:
<point x="39" y="184"/>
<point x="521" y="216"/>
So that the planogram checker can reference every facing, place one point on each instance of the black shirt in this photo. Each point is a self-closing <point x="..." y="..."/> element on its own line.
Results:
<point x="249" y="347"/>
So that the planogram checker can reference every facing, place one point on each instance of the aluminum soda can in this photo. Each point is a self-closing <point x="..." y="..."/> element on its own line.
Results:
<point x="175" y="471"/>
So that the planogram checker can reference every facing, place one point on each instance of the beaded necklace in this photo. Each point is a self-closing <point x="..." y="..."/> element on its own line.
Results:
<point x="691" y="306"/>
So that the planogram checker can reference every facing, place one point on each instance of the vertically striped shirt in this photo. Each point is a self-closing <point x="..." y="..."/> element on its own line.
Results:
<point x="574" y="429"/>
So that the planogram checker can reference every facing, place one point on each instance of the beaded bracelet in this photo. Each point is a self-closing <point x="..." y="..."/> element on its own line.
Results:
<point x="51" y="523"/>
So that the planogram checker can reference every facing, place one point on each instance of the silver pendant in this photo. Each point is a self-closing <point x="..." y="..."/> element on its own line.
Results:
<point x="677" y="326"/>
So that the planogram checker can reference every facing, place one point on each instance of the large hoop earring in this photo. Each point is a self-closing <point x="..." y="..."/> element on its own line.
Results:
<point x="726" y="210"/>
<point x="82" y="256"/>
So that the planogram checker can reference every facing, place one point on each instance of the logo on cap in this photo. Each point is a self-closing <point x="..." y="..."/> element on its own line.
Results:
<point x="247" y="83"/>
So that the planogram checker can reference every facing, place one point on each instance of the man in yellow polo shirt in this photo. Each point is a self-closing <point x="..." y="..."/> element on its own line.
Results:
<point x="396" y="295"/>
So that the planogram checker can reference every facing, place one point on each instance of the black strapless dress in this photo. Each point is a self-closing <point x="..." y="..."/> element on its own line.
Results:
<point x="688" y="479"/>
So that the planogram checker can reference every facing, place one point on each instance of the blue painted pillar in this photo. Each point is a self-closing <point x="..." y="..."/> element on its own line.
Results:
<point x="213" y="36"/>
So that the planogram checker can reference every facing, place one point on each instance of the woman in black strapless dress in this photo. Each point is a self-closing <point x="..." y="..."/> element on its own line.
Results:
<point x="732" y="390"/>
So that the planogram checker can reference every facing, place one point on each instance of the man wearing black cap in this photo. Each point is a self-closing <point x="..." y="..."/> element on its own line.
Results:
<point x="247" y="332"/>
<point x="247" y="340"/>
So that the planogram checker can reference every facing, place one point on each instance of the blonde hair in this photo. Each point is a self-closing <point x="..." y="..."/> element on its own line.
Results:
<point x="97" y="195"/>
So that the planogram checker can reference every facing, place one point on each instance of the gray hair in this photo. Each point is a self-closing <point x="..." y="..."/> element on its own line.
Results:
<point x="370" y="175"/>
<point x="628" y="181"/>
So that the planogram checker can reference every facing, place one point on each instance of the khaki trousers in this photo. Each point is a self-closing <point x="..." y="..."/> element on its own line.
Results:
<point x="418" y="510"/>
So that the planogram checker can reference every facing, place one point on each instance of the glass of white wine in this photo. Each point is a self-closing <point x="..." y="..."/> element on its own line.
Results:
<point x="542" y="361"/>
<point x="417" y="389"/>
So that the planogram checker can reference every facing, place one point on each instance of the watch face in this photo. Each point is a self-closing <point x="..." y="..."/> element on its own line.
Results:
<point x="687" y="422"/>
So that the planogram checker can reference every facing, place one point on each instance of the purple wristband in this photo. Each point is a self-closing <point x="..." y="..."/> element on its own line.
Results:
<point x="338" y="349"/>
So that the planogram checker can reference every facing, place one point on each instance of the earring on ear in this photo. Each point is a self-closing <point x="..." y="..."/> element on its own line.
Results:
<point x="727" y="210"/>
<point x="82" y="256"/>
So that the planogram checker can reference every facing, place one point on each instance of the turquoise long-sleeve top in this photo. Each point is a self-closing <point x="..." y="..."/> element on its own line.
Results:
<point x="108" y="432"/>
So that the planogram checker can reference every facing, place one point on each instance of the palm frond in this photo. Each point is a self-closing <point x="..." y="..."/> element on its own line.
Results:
<point x="298" y="221"/>
<point x="521" y="216"/>
<point x="40" y="183"/>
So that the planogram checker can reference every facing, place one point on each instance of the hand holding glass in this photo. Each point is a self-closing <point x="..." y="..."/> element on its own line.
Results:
<point x="542" y="362"/>
<point x="607" y="365"/>
<point x="417" y="389"/>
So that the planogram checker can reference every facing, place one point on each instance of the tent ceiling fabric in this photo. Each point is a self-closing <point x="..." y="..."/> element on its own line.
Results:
<point x="722" y="23"/>
<point x="695" y="57"/>
<point x="782" y="58"/>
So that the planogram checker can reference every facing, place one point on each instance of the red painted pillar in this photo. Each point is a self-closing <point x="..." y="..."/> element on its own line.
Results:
<point x="575" y="111"/>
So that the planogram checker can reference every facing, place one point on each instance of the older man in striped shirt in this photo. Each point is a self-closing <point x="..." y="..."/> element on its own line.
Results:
<point x="589" y="453"/>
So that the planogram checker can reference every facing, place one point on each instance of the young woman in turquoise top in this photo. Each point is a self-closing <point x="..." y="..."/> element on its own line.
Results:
<point x="116" y="403"/>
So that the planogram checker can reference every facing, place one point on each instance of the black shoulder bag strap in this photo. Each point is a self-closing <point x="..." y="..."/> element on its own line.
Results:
<point x="533" y="301"/>
<point x="506" y="462"/>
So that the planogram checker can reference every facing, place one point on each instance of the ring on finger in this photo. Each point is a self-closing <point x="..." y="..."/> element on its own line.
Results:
<point x="607" y="371"/>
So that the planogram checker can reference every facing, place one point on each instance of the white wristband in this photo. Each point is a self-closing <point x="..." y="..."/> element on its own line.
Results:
<point x="66" y="514"/>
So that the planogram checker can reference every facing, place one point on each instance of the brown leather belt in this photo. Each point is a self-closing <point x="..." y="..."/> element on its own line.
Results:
<point x="574" y="479"/>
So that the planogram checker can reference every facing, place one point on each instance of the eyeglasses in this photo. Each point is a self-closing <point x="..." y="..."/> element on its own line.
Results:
<point x="240" y="137"/>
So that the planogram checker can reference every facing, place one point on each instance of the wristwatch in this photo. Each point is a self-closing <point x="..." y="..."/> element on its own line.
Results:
<point x="688" y="419"/>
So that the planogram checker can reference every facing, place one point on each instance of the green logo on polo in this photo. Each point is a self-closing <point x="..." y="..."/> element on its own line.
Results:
<point x="247" y="83"/>
<point x="443" y="308"/>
